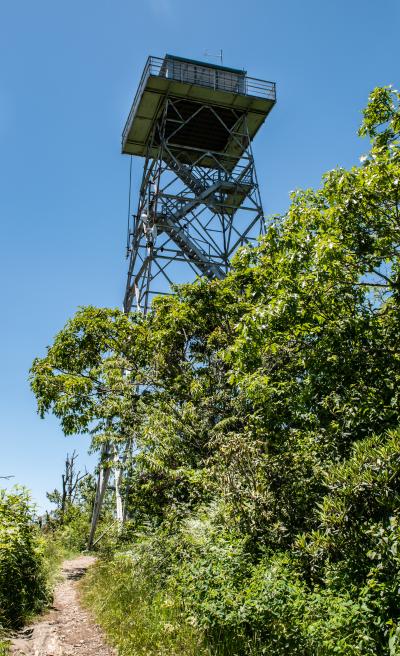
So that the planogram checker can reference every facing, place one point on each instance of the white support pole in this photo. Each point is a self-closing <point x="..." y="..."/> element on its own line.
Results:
<point x="102" y="482"/>
<point x="118" y="497"/>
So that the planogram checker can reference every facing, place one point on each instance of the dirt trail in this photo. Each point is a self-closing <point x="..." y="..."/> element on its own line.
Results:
<point x="67" y="630"/>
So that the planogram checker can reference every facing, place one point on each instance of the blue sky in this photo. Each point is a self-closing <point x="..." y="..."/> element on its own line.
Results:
<point x="68" y="73"/>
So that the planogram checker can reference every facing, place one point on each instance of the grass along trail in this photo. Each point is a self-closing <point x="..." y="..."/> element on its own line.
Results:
<point x="68" y="629"/>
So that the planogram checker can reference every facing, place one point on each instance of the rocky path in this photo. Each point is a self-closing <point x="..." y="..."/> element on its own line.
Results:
<point x="67" y="630"/>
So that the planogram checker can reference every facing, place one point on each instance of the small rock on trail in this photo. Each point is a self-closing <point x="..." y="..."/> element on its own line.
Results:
<point x="67" y="630"/>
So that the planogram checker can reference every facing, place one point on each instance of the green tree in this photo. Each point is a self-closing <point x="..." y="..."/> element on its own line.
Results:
<point x="264" y="409"/>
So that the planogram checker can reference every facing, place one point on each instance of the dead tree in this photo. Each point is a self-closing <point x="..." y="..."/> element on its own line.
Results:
<point x="70" y="481"/>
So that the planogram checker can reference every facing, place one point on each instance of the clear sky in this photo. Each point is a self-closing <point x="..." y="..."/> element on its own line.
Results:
<point x="68" y="73"/>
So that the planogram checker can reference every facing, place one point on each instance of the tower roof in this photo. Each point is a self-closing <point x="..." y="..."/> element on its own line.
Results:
<point x="196" y="62"/>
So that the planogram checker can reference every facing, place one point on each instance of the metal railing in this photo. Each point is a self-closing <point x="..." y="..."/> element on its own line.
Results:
<point x="201" y="75"/>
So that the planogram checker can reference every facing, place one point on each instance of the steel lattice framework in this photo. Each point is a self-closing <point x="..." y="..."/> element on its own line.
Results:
<point x="193" y="213"/>
<point x="199" y="198"/>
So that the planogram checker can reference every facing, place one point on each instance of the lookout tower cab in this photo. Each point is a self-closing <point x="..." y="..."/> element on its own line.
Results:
<point x="199" y="200"/>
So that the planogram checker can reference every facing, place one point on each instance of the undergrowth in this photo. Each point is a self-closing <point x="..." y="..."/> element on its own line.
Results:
<point x="138" y="617"/>
<point x="29" y="564"/>
<point x="23" y="575"/>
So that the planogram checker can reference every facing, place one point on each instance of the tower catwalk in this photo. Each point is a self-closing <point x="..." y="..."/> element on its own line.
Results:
<point x="199" y="198"/>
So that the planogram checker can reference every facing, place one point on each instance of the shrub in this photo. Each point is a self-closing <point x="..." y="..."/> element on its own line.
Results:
<point x="23" y="585"/>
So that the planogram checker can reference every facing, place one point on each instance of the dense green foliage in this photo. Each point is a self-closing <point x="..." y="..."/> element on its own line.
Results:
<point x="264" y="488"/>
<point x="23" y="572"/>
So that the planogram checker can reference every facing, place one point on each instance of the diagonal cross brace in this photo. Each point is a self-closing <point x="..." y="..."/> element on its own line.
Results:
<point x="189" y="248"/>
<point x="169" y="223"/>
<point x="197" y="200"/>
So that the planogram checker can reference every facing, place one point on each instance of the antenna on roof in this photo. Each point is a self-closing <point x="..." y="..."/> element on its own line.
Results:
<point x="208" y="54"/>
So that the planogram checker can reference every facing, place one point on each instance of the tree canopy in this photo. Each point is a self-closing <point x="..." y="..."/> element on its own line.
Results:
<point x="264" y="409"/>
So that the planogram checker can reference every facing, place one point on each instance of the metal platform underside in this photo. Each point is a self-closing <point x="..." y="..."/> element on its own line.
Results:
<point x="206" y="131"/>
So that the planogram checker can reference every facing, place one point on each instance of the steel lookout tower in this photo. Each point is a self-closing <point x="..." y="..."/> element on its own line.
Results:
<point x="193" y="123"/>
<point x="199" y="199"/>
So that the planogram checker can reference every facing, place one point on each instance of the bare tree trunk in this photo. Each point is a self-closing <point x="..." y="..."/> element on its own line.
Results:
<point x="102" y="482"/>
<point x="118" y="497"/>
<point x="70" y="481"/>
<point x="63" y="494"/>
